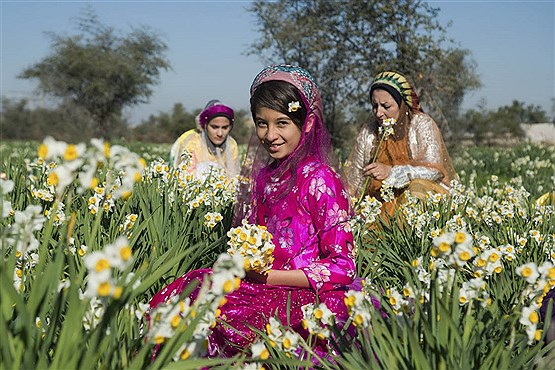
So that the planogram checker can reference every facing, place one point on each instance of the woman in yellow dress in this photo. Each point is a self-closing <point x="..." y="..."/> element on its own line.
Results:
<point x="212" y="145"/>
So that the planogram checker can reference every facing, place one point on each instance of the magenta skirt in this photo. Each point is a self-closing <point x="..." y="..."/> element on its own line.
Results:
<point x="251" y="305"/>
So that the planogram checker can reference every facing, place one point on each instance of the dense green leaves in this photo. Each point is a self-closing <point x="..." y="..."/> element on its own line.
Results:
<point x="346" y="43"/>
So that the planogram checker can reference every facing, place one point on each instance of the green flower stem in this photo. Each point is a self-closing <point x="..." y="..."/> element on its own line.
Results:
<point x="359" y="200"/>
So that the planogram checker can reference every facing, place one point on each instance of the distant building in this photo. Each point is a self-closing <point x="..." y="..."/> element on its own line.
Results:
<point x="539" y="132"/>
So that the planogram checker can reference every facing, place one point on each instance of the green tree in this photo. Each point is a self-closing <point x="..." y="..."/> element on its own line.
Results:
<point x="345" y="43"/>
<point x="66" y="122"/>
<point x="167" y="126"/>
<point x="100" y="70"/>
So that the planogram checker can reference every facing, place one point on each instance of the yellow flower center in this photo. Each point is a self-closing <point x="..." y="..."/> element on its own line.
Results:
<point x="175" y="321"/>
<point x="159" y="339"/>
<point x="526" y="272"/>
<point x="264" y="354"/>
<point x="460" y="237"/>
<point x="104" y="289"/>
<point x="287" y="343"/>
<point x="534" y="318"/>
<point x="228" y="286"/>
<point x="125" y="253"/>
<point x="52" y="179"/>
<point x="318" y="313"/>
<point x="464" y="256"/>
<point x="107" y="150"/>
<point x="70" y="153"/>
<point x="117" y="292"/>
<point x="43" y="151"/>
<point x="185" y="354"/>
<point x="444" y="247"/>
<point x="350" y="301"/>
<point x="101" y="264"/>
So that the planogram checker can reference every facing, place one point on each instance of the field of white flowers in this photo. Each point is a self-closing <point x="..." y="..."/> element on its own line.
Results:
<point x="91" y="231"/>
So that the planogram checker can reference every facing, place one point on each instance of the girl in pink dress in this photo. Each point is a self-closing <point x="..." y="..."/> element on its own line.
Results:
<point x="303" y="203"/>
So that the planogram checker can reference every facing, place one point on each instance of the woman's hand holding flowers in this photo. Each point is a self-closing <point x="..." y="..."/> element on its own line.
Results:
<point x="377" y="170"/>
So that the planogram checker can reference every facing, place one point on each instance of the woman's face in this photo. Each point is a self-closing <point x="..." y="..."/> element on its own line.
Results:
<point x="384" y="106"/>
<point x="217" y="130"/>
<point x="277" y="132"/>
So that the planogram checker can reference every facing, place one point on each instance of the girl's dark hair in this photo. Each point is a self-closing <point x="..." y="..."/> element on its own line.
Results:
<point x="277" y="95"/>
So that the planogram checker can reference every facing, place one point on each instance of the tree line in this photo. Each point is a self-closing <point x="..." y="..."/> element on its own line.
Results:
<point x="98" y="72"/>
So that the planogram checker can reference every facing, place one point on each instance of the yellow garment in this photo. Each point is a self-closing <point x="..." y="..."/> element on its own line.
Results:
<point x="546" y="199"/>
<point x="203" y="156"/>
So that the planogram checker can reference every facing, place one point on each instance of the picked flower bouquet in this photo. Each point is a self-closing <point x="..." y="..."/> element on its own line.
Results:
<point x="385" y="129"/>
<point x="254" y="244"/>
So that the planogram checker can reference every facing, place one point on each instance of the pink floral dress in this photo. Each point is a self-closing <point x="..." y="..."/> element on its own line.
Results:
<point x="311" y="233"/>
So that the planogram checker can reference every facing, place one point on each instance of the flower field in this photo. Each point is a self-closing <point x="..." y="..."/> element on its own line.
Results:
<point x="91" y="231"/>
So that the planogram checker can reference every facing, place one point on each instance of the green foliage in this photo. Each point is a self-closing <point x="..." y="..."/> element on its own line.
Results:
<point x="346" y="43"/>
<point x="101" y="71"/>
<point x="168" y="126"/>
<point x="527" y="165"/>
<point x="42" y="324"/>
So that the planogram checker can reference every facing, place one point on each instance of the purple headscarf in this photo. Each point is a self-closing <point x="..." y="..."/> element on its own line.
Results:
<point x="214" y="108"/>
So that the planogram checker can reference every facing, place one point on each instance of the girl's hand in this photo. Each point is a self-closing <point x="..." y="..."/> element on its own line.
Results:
<point x="256" y="276"/>
<point x="377" y="170"/>
<point x="296" y="278"/>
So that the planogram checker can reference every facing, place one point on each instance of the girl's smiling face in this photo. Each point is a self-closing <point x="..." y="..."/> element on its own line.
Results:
<point x="277" y="132"/>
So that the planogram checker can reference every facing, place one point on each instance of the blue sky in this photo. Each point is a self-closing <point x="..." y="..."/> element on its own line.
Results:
<point x="512" y="42"/>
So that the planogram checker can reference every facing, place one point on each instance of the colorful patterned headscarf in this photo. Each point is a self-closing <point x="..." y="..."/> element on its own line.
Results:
<point x="298" y="77"/>
<point x="396" y="83"/>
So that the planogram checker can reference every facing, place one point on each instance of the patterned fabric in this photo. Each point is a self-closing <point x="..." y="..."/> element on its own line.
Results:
<point x="415" y="150"/>
<point x="427" y="157"/>
<point x="298" y="77"/>
<point x="401" y="85"/>
<point x="204" y="155"/>
<point x="311" y="234"/>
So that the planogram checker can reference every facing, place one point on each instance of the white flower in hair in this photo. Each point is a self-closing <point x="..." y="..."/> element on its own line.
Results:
<point x="293" y="106"/>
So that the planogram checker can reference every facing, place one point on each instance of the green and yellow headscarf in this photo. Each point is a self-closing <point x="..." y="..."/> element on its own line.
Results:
<point x="398" y="86"/>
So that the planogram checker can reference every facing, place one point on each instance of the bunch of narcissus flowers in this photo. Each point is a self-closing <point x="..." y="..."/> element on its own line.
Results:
<point x="254" y="244"/>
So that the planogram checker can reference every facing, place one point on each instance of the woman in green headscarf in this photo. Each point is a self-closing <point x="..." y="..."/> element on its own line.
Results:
<point x="413" y="155"/>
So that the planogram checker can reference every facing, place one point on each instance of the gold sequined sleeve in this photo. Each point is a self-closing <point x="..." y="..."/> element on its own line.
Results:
<point x="360" y="156"/>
